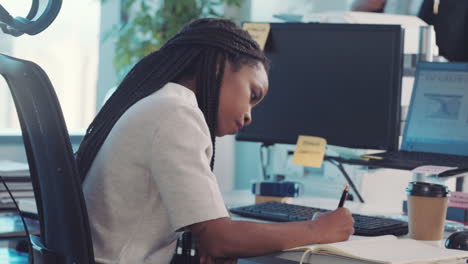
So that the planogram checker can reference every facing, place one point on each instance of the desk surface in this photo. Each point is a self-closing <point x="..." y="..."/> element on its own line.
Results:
<point x="244" y="197"/>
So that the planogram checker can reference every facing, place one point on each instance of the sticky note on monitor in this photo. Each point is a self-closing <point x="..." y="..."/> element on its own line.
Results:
<point x="258" y="31"/>
<point x="310" y="151"/>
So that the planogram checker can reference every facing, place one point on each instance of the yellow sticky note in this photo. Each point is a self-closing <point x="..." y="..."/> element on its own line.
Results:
<point x="258" y="31"/>
<point x="310" y="151"/>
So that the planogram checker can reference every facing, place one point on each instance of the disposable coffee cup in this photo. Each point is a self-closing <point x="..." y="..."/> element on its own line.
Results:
<point x="427" y="209"/>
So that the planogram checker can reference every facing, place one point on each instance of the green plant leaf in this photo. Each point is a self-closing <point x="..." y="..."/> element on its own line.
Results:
<point x="146" y="29"/>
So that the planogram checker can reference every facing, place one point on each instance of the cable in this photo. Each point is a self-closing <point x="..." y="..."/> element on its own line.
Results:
<point x="346" y="175"/>
<point x="343" y="171"/>
<point x="262" y="161"/>
<point x="26" y="230"/>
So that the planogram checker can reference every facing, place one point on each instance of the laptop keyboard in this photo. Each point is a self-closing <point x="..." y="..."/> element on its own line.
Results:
<point x="281" y="212"/>
<point x="427" y="158"/>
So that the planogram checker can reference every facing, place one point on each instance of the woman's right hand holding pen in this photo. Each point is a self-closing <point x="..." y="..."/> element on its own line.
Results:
<point x="334" y="226"/>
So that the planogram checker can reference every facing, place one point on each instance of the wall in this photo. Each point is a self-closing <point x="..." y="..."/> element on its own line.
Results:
<point x="110" y="16"/>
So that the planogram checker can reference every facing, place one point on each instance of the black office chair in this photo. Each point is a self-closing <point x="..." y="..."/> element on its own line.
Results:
<point x="65" y="234"/>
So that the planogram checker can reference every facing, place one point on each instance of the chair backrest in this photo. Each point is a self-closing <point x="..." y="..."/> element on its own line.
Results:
<point x="65" y="234"/>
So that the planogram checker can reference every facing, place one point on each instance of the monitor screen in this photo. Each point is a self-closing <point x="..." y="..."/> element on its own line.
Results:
<point x="341" y="82"/>
<point x="437" y="119"/>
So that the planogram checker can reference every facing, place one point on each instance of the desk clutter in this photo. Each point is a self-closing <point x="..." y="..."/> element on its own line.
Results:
<point x="11" y="225"/>
<point x="11" y="256"/>
<point x="276" y="191"/>
<point x="17" y="177"/>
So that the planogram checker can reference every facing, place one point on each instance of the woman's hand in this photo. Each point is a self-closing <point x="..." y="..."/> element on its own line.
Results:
<point x="334" y="226"/>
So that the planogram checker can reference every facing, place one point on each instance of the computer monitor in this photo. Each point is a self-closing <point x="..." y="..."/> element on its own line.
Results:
<point x="341" y="82"/>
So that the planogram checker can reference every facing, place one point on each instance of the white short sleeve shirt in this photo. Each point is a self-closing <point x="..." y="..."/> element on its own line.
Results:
<point x="151" y="178"/>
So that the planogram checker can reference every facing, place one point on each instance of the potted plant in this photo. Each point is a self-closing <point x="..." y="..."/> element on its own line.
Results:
<point x="146" y="25"/>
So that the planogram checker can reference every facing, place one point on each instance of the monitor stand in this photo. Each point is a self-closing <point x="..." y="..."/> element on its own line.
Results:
<point x="269" y="174"/>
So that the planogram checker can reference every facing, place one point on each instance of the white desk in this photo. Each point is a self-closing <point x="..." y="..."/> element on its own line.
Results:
<point x="244" y="197"/>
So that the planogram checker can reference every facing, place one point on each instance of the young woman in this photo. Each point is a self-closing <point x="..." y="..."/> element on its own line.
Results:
<point x="147" y="158"/>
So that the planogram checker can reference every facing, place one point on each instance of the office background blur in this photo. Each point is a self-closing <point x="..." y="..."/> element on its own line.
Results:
<point x="77" y="52"/>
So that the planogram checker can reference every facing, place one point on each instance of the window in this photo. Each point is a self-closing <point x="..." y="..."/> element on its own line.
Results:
<point x="67" y="51"/>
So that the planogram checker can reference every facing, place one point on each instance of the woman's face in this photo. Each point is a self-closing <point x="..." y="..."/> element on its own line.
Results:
<point x="240" y="91"/>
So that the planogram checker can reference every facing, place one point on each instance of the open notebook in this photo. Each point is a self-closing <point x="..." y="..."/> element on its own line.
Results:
<point x="383" y="249"/>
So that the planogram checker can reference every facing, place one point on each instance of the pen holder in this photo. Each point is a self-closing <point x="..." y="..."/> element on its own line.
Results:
<point x="263" y="199"/>
<point x="282" y="191"/>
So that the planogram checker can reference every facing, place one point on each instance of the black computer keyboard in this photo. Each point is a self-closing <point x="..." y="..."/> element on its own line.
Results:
<point x="427" y="158"/>
<point x="281" y="212"/>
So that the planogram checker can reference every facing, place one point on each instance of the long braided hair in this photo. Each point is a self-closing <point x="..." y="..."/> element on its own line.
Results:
<point x="198" y="52"/>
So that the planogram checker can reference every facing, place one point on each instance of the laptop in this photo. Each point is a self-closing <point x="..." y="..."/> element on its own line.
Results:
<point x="436" y="131"/>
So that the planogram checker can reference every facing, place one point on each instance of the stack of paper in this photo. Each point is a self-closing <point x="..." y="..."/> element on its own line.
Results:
<point x="458" y="200"/>
<point x="17" y="177"/>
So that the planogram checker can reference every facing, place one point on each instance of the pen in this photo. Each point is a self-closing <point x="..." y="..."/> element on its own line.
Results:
<point x="370" y="157"/>
<point x="449" y="173"/>
<point x="343" y="196"/>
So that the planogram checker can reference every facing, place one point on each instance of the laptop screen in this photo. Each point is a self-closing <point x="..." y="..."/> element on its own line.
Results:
<point x="438" y="113"/>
